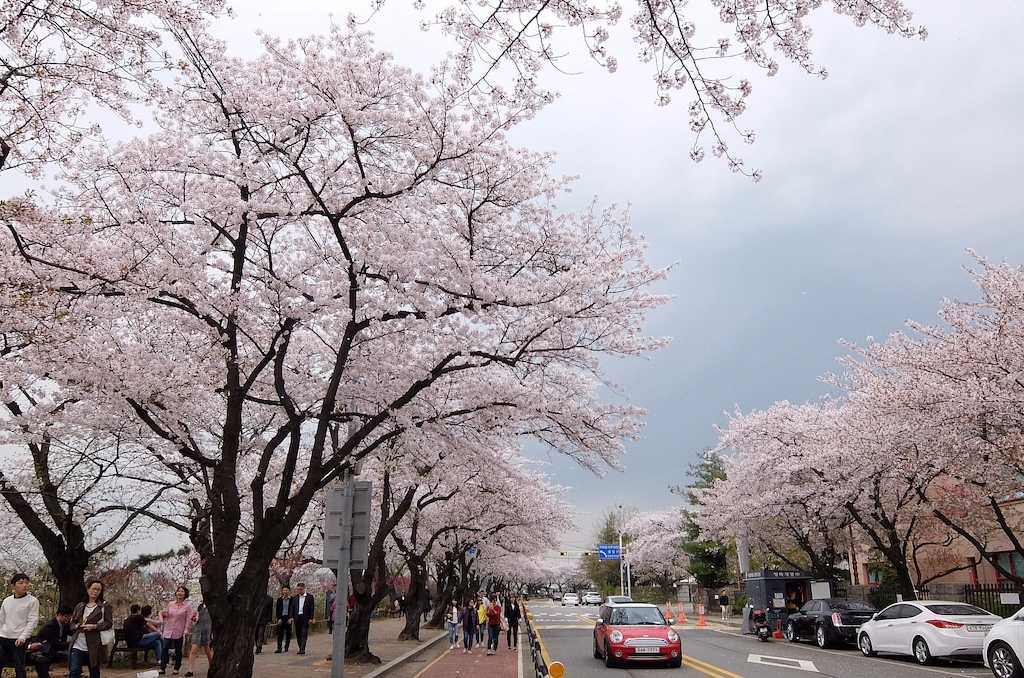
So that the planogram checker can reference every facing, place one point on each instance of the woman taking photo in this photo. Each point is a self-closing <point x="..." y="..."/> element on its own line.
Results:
<point x="177" y="617"/>
<point x="88" y="622"/>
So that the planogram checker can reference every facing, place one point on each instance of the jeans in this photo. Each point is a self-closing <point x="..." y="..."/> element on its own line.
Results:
<point x="468" y="636"/>
<point x="76" y="660"/>
<point x="492" y="636"/>
<point x="453" y="634"/>
<point x="12" y="655"/>
<point x="512" y="637"/>
<point x="152" y="641"/>
<point x="480" y="628"/>
<point x="171" y="644"/>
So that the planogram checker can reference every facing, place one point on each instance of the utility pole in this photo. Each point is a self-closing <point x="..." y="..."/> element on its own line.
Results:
<point x="622" y="565"/>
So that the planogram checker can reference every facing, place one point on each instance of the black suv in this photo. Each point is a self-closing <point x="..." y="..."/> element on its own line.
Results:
<point x="828" y="620"/>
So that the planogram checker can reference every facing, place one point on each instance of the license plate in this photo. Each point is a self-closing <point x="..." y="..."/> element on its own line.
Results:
<point x="979" y="627"/>
<point x="647" y="650"/>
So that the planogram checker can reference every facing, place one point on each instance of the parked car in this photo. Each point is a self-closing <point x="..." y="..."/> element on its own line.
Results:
<point x="591" y="598"/>
<point x="618" y="599"/>
<point x="636" y="633"/>
<point x="828" y="620"/>
<point x="1004" y="646"/>
<point x="570" y="599"/>
<point x="555" y="595"/>
<point x="926" y="629"/>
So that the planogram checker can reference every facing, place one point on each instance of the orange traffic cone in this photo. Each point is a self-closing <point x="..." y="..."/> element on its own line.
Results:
<point x="682" y="615"/>
<point x="700" y="616"/>
<point x="670" y="615"/>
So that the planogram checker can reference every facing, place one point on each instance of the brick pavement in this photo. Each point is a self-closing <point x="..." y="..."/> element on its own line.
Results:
<point x="454" y="663"/>
<point x="383" y="635"/>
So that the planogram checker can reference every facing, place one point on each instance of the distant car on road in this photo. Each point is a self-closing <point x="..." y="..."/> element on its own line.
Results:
<point x="1004" y="647"/>
<point x="555" y="595"/>
<point x="927" y="628"/>
<point x="570" y="599"/>
<point x="635" y="633"/>
<point x="828" y="620"/>
<point x="591" y="598"/>
<point x="618" y="599"/>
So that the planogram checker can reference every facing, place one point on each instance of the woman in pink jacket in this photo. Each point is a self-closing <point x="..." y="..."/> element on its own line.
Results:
<point x="177" y="618"/>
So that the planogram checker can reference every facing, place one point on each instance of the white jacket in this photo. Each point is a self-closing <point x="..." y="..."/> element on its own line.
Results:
<point x="18" y="617"/>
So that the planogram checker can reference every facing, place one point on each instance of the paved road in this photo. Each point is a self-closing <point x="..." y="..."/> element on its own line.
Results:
<point x="727" y="654"/>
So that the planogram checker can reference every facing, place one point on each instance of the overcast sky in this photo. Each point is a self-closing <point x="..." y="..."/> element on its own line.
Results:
<point x="876" y="181"/>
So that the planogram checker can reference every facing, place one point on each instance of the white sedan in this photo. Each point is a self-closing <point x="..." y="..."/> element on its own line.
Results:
<point x="591" y="598"/>
<point x="1004" y="646"/>
<point x="926" y="629"/>
<point x="570" y="599"/>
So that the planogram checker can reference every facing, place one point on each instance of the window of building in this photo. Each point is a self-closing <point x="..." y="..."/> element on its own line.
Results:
<point x="1012" y="561"/>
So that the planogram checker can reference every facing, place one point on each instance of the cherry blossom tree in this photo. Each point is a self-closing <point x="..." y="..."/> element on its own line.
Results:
<point x="688" y="50"/>
<point x="321" y="252"/>
<point x="655" y="549"/>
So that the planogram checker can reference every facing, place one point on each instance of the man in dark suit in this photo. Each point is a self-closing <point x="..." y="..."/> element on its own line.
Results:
<point x="303" y="607"/>
<point x="283" y="613"/>
<point x="266" y="618"/>
<point x="50" y="645"/>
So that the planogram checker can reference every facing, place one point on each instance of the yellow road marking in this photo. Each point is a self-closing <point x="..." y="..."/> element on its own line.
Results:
<point x="428" y="666"/>
<point x="708" y="669"/>
<point x="585" y="619"/>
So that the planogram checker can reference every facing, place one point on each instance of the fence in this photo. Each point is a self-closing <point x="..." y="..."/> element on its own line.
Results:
<point x="1002" y="599"/>
<point x="540" y="668"/>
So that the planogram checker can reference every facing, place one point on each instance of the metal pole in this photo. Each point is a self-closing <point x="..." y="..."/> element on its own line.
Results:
<point x="622" y="574"/>
<point x="344" y="558"/>
<point x="629" y="579"/>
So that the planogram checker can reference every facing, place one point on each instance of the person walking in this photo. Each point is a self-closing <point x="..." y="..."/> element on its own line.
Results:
<point x="493" y="626"/>
<point x="512" y="616"/>
<point x="453" y="621"/>
<point x="177" y="617"/>
<point x="89" y="620"/>
<point x="19" y="614"/>
<point x="469" y="626"/>
<point x="265" y="619"/>
<point x="723" y="600"/>
<point x="481" y="621"/>
<point x="202" y="630"/>
<point x="283" y="613"/>
<point x="303" y="609"/>
<point x="139" y="633"/>
<point x="329" y="598"/>
<point x="50" y="645"/>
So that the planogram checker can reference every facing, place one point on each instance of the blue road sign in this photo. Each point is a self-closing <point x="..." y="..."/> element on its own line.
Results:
<point x="608" y="552"/>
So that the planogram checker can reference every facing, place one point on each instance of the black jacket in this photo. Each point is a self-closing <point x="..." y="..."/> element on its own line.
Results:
<point x="54" y="638"/>
<point x="512" y="613"/>
<point x="306" y="615"/>
<point x="267" y="611"/>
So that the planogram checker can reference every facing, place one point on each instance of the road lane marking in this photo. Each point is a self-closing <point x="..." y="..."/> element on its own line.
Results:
<point x="707" y="668"/>
<point x="784" y="662"/>
<point x="585" y="619"/>
<point x="855" y="654"/>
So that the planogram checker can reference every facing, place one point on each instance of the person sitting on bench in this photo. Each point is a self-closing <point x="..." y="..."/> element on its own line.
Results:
<point x="50" y="645"/>
<point x="140" y="634"/>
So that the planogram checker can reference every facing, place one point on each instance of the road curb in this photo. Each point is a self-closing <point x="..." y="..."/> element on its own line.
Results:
<point x="397" y="661"/>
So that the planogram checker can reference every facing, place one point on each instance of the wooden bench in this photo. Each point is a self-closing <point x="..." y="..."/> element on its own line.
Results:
<point x="121" y="645"/>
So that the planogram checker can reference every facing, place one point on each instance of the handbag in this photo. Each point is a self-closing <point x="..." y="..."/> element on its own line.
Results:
<point x="107" y="638"/>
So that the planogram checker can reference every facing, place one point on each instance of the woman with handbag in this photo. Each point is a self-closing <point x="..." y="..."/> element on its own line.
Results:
<point x="92" y="632"/>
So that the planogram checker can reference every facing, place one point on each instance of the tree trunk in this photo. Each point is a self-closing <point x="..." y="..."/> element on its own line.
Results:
<point x="235" y="616"/>
<point x="368" y="590"/>
<point x="70" y="575"/>
<point x="414" y="598"/>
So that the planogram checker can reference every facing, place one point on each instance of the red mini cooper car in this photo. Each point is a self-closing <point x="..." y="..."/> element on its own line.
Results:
<point x="634" y="633"/>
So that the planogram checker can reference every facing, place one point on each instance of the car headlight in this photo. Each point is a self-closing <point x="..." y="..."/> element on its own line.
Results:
<point x="673" y="637"/>
<point x="615" y="637"/>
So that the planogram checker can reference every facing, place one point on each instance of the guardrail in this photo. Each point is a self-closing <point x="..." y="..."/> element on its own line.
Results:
<point x="543" y="667"/>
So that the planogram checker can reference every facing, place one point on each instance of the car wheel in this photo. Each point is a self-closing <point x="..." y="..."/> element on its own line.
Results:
<point x="608" y="661"/>
<point x="821" y="635"/>
<point x="791" y="632"/>
<point x="1004" y="662"/>
<point x="921" y="652"/>
<point x="864" y="642"/>
<point x="675" y="663"/>
<point x="597" y="653"/>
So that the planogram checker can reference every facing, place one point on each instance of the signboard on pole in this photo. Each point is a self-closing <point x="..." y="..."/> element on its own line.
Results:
<point x="334" y="520"/>
<point x="608" y="552"/>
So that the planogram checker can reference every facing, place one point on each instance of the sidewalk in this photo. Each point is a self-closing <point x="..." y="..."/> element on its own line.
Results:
<point x="503" y="664"/>
<point x="383" y="643"/>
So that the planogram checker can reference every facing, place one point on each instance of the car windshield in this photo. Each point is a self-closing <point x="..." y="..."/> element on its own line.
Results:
<point x="957" y="610"/>
<point x="854" y="605"/>
<point x="637" y="616"/>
